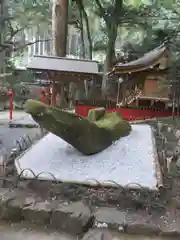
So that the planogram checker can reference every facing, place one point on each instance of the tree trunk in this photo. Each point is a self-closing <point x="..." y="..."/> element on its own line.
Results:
<point x="60" y="27"/>
<point x="112" y="27"/>
<point x="110" y="56"/>
<point x="82" y="52"/>
<point x="87" y="30"/>
<point x="2" y="34"/>
<point x="88" y="34"/>
<point x="84" y="15"/>
<point x="60" y="32"/>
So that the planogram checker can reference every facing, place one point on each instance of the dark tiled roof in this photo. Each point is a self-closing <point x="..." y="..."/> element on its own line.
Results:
<point x="149" y="60"/>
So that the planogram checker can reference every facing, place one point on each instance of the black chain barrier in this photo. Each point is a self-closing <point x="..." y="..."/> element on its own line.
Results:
<point x="92" y="192"/>
<point x="19" y="146"/>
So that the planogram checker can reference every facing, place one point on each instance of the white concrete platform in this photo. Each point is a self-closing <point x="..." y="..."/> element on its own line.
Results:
<point x="128" y="160"/>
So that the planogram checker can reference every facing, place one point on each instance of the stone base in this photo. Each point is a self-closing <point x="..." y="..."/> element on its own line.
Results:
<point x="134" y="156"/>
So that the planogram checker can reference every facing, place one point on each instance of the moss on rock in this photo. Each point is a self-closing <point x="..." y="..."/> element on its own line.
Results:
<point x="88" y="135"/>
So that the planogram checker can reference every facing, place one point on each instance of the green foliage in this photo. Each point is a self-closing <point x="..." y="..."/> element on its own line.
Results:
<point x="27" y="13"/>
<point x="18" y="17"/>
<point x="21" y="92"/>
<point x="141" y="25"/>
<point x="153" y="21"/>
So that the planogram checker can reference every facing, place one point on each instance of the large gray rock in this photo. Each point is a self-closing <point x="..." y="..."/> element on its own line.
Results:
<point x="170" y="225"/>
<point x="143" y="228"/>
<point x="110" y="217"/>
<point x="132" y="222"/>
<point x="177" y="134"/>
<point x="73" y="218"/>
<point x="12" y="202"/>
<point x="38" y="213"/>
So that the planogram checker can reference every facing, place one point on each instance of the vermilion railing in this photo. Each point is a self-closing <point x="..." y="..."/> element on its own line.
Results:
<point x="129" y="114"/>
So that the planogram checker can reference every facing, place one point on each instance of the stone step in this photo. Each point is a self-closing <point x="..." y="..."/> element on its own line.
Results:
<point x="106" y="234"/>
<point x="138" y="221"/>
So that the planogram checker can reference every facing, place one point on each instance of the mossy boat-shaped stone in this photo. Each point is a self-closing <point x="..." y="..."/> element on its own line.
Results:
<point x="88" y="135"/>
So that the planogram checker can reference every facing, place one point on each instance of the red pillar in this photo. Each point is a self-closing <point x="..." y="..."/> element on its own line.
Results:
<point x="10" y="95"/>
<point x="43" y="96"/>
<point x="54" y="100"/>
<point x="48" y="96"/>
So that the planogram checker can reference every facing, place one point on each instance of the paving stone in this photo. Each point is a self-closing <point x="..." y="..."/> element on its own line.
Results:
<point x="178" y="162"/>
<point x="171" y="233"/>
<point x="169" y="152"/>
<point x="169" y="129"/>
<point x="177" y="150"/>
<point x="143" y="228"/>
<point x="38" y="213"/>
<point x="23" y="231"/>
<point x="141" y="222"/>
<point x="110" y="217"/>
<point x="6" y="196"/>
<point x="96" y="234"/>
<point x="170" y="137"/>
<point x="15" y="207"/>
<point x="170" y="224"/>
<point x="160" y="126"/>
<point x="73" y="218"/>
<point x="171" y="146"/>
<point x="137" y="222"/>
<point x="177" y="134"/>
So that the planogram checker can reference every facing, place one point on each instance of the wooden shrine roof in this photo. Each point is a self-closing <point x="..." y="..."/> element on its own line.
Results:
<point x="66" y="66"/>
<point x="148" y="61"/>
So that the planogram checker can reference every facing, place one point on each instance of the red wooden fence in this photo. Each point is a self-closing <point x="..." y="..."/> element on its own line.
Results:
<point x="128" y="113"/>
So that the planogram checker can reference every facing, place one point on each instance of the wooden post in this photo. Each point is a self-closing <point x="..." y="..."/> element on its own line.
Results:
<point x="137" y="102"/>
<point x="53" y="93"/>
<point x="52" y="90"/>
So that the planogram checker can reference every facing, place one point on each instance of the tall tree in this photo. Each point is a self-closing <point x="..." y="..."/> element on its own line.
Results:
<point x="59" y="32"/>
<point x="84" y="18"/>
<point x="3" y="18"/>
<point x="60" y="27"/>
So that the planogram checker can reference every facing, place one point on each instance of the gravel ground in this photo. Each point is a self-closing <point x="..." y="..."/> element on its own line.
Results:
<point x="9" y="135"/>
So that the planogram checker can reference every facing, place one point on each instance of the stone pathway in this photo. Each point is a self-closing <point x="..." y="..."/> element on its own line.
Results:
<point x="22" y="231"/>
<point x="77" y="218"/>
<point x="22" y="125"/>
<point x="112" y="235"/>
